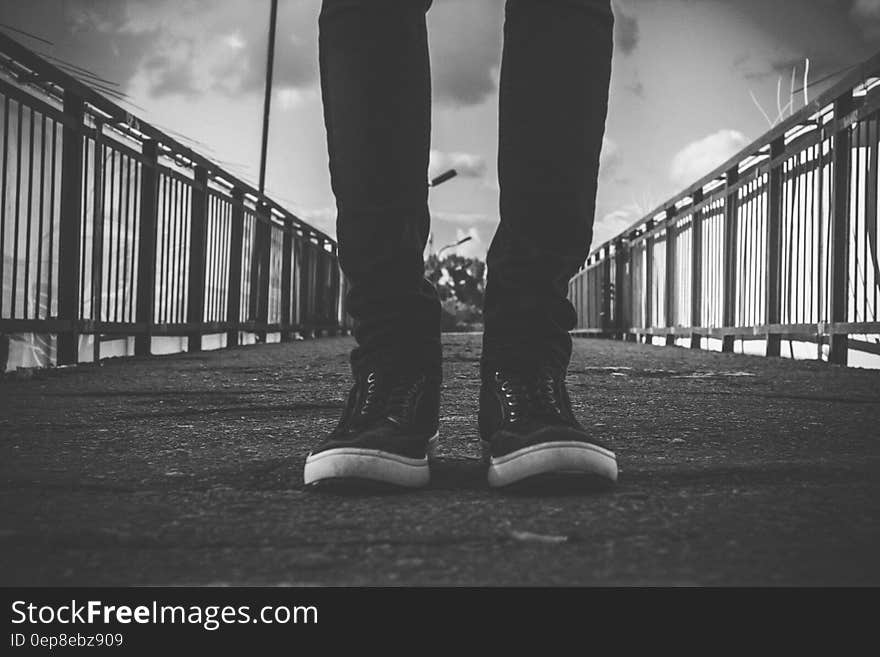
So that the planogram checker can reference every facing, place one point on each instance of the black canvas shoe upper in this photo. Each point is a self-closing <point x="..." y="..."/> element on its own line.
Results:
<point x="392" y="411"/>
<point x="520" y="408"/>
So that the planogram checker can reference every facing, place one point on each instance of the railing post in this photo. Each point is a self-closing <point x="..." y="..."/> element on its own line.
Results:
<point x="773" y="257"/>
<point x="264" y="244"/>
<point x="621" y="296"/>
<point x="607" y="291"/>
<point x="198" y="227"/>
<point x="254" y="277"/>
<point x="871" y="184"/>
<point x="98" y="237"/>
<point x="671" y="265"/>
<point x="331" y="304"/>
<point x="286" y="258"/>
<point x="840" y="192"/>
<point x="318" y="288"/>
<point x="236" y="242"/>
<point x="649" y="278"/>
<point x="147" y="222"/>
<point x="70" y="231"/>
<point x="335" y="283"/>
<point x="307" y="307"/>
<point x="298" y="258"/>
<point x="731" y="212"/>
<point x="696" y="269"/>
<point x="343" y="300"/>
<point x="317" y="248"/>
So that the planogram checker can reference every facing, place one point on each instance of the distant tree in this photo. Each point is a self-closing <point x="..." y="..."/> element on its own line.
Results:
<point x="461" y="284"/>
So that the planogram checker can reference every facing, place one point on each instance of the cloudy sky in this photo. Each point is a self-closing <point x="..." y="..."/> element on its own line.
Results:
<point x="688" y="79"/>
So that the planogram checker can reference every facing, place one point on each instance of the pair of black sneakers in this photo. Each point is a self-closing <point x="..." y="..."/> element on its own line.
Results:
<point x="390" y="427"/>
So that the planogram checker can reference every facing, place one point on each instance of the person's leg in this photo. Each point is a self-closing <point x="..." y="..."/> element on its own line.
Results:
<point x="555" y="75"/>
<point x="375" y="85"/>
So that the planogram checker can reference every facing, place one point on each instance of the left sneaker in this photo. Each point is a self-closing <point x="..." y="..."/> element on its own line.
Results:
<point x="386" y="434"/>
<point x="529" y="432"/>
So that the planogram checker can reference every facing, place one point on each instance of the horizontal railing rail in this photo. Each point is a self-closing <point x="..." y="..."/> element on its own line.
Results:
<point x="111" y="228"/>
<point x="778" y="243"/>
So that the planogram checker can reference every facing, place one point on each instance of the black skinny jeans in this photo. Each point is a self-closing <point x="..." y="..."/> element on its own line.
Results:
<point x="375" y="82"/>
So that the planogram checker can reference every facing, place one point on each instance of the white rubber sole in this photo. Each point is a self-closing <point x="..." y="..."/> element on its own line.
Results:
<point x="352" y="463"/>
<point x="568" y="458"/>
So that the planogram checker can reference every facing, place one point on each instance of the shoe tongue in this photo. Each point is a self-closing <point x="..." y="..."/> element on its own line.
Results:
<point x="425" y="360"/>
<point x="527" y="375"/>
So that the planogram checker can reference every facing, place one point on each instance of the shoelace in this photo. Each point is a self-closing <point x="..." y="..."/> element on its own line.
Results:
<point x="371" y="397"/>
<point x="529" y="395"/>
<point x="401" y="396"/>
<point x="393" y="401"/>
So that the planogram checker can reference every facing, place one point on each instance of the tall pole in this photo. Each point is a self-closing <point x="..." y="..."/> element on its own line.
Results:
<point x="267" y="102"/>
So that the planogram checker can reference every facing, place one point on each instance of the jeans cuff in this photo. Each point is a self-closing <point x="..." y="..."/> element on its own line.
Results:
<point x="425" y="358"/>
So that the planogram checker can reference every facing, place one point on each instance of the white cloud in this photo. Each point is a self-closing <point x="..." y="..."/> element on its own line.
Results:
<point x="701" y="156"/>
<point x="463" y="68"/>
<point x="867" y="9"/>
<point x="294" y="97"/>
<point x="610" y="157"/>
<point x="324" y="219"/>
<point x="466" y="218"/>
<point x="613" y="223"/>
<point x="492" y="184"/>
<point x="468" y="165"/>
<point x="618" y="218"/>
<point x="190" y="51"/>
<point x="235" y="41"/>
<point x="866" y="14"/>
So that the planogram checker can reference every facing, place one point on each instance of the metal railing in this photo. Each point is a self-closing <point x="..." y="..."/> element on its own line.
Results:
<point x="778" y="243"/>
<point x="109" y="227"/>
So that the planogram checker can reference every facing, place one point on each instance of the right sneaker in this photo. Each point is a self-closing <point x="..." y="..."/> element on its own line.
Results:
<point x="530" y="434"/>
<point x="386" y="434"/>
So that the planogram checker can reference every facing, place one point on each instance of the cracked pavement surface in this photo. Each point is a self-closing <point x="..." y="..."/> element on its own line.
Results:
<point x="187" y="469"/>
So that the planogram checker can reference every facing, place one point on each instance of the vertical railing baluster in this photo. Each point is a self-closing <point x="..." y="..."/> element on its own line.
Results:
<point x="236" y="243"/>
<point x="28" y="217"/>
<point x="198" y="232"/>
<point x="731" y="218"/>
<point x="38" y="297"/>
<point x="70" y="228"/>
<point x="671" y="267"/>
<point x="343" y="301"/>
<point x="314" y="260"/>
<point x="621" y="293"/>
<point x="98" y="238"/>
<point x="334" y="288"/>
<point x="264" y="260"/>
<point x="773" y="248"/>
<point x="256" y="238"/>
<point x="297" y="279"/>
<point x="306" y="285"/>
<point x="607" y="290"/>
<point x="286" y="258"/>
<point x="649" y="279"/>
<point x="840" y="228"/>
<point x="696" y="319"/>
<point x="871" y="183"/>
<point x="326" y="285"/>
<point x="4" y="170"/>
<point x="146" y="258"/>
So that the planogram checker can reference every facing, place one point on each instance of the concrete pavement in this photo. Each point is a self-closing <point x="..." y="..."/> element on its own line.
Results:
<point x="187" y="469"/>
